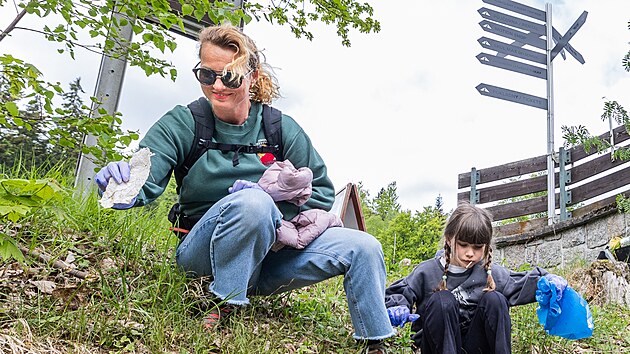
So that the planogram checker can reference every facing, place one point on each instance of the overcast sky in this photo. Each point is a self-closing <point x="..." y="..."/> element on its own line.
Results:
<point x="399" y="105"/>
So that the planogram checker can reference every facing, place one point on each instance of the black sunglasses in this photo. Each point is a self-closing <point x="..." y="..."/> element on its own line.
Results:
<point x="208" y="77"/>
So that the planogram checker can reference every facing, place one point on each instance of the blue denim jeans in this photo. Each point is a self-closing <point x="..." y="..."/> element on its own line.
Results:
<point x="232" y="243"/>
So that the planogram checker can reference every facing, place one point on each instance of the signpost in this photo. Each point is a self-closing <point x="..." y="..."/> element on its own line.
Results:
<point x="525" y="32"/>
<point x="512" y="65"/>
<point x="570" y="33"/>
<point x="518" y="8"/>
<point x="513" y="50"/>
<point x="510" y="95"/>
<point x="514" y="34"/>
<point x="517" y="22"/>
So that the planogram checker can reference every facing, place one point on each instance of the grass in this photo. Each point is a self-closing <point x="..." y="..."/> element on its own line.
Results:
<point x="135" y="301"/>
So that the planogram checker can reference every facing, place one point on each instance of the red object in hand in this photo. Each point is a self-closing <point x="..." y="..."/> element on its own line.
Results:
<point x="267" y="159"/>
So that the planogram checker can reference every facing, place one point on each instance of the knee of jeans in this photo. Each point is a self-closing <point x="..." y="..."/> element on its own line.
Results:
<point x="256" y="203"/>
<point x="493" y="300"/>
<point x="368" y="246"/>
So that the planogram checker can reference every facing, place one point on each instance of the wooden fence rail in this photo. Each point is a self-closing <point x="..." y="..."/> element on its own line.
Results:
<point x="519" y="188"/>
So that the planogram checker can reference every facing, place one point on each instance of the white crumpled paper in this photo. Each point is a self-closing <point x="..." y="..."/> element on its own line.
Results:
<point x="123" y="193"/>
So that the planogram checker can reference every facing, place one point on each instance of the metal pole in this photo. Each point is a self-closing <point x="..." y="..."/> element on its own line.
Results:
<point x="107" y="92"/>
<point x="612" y="139"/>
<point x="551" y="183"/>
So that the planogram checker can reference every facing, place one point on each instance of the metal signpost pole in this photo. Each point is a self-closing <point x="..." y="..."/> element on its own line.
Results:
<point x="551" y="183"/>
<point x="108" y="87"/>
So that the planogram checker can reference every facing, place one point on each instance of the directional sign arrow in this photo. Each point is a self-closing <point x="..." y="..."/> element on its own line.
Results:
<point x="512" y="21"/>
<point x="574" y="53"/>
<point x="514" y="96"/>
<point x="519" y="8"/>
<point x="512" y="50"/>
<point x="512" y="65"/>
<point x="516" y="35"/>
<point x="570" y="33"/>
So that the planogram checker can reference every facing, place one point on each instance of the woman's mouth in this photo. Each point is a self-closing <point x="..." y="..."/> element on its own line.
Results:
<point x="219" y="96"/>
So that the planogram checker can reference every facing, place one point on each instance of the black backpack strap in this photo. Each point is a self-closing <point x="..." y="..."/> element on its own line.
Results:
<point x="272" y="124"/>
<point x="272" y="127"/>
<point x="204" y="128"/>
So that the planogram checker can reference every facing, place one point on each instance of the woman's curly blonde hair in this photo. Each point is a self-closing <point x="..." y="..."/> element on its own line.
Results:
<point x="246" y="59"/>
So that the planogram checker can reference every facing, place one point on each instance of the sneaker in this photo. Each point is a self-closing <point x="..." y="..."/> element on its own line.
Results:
<point x="217" y="315"/>
<point x="376" y="348"/>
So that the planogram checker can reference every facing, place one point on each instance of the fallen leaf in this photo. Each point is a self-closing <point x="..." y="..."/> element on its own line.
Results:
<point x="44" y="286"/>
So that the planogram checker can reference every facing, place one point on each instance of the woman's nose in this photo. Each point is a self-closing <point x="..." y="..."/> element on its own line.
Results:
<point x="218" y="83"/>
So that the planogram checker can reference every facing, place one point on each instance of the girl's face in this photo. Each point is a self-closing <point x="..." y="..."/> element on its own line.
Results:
<point x="465" y="254"/>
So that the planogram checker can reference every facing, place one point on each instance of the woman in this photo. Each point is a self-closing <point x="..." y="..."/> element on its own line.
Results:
<point x="232" y="241"/>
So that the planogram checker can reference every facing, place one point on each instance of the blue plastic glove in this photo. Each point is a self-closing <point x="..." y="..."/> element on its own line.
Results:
<point x="548" y="309"/>
<point x="243" y="184"/>
<point x="121" y="206"/>
<point x="399" y="315"/>
<point x="119" y="171"/>
<point x="559" y="282"/>
<point x="568" y="316"/>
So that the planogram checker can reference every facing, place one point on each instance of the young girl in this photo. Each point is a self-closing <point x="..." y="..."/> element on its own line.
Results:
<point x="461" y="296"/>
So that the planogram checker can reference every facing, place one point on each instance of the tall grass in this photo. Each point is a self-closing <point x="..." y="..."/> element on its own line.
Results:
<point x="136" y="301"/>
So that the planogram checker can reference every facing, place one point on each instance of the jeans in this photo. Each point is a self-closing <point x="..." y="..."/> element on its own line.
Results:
<point x="232" y="243"/>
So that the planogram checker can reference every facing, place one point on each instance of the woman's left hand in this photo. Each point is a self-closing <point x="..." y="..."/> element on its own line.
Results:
<point x="243" y="184"/>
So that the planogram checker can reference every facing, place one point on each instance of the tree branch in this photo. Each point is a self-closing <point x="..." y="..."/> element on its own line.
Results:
<point x="57" y="263"/>
<point x="12" y="24"/>
<point x="86" y="47"/>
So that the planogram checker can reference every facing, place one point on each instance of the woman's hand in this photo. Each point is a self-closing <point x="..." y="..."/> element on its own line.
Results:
<point x="119" y="171"/>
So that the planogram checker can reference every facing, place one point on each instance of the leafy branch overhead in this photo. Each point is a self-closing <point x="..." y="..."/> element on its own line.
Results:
<point x="94" y="19"/>
<point x="104" y="27"/>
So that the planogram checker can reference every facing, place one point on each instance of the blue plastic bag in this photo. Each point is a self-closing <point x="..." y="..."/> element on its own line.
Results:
<point x="567" y="315"/>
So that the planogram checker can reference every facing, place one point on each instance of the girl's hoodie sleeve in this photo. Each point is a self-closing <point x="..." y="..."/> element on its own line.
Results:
<point x="518" y="287"/>
<point x="405" y="291"/>
<point x="400" y="294"/>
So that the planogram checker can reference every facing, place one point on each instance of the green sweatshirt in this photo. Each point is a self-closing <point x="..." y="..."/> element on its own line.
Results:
<point x="171" y="137"/>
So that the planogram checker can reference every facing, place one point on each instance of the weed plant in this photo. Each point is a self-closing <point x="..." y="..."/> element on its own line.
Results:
<point x="134" y="300"/>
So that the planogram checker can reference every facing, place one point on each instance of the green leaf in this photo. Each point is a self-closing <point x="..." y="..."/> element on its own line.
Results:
<point x="171" y="45"/>
<point x="12" y="108"/>
<point x="9" y="249"/>
<point x="187" y="9"/>
<point x="137" y="29"/>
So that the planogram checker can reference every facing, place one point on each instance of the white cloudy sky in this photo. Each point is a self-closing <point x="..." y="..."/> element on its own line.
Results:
<point x="399" y="105"/>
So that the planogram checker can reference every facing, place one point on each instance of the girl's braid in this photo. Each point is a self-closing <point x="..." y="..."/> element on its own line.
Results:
<point x="490" y="284"/>
<point x="447" y="257"/>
